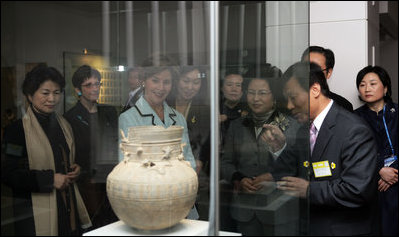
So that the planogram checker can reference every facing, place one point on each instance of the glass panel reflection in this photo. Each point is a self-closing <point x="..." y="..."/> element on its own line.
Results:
<point x="258" y="129"/>
<point x="259" y="41"/>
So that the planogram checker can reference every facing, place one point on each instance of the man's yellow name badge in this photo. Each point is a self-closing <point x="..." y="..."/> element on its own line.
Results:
<point x="321" y="169"/>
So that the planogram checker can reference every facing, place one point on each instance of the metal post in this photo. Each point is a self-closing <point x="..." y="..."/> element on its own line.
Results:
<point x="214" y="76"/>
<point x="241" y="36"/>
<point x="258" y="37"/>
<point x="182" y="32"/>
<point x="164" y="33"/>
<point x="106" y="33"/>
<point x="129" y="34"/>
<point x="224" y="44"/>
<point x="155" y="31"/>
<point x="149" y="33"/>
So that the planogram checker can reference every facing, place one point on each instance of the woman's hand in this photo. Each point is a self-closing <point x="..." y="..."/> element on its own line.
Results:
<point x="258" y="180"/>
<point x="61" y="181"/>
<point x="74" y="174"/>
<point x="198" y="167"/>
<point x="274" y="137"/>
<point x="222" y="118"/>
<point x="247" y="184"/>
<point x="382" y="185"/>
<point x="389" y="175"/>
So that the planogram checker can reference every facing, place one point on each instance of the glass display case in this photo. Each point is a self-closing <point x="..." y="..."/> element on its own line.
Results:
<point x="226" y="61"/>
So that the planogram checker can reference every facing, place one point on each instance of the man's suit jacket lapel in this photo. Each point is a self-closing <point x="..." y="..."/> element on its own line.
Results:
<point x="136" y="97"/>
<point x="131" y="101"/>
<point x="325" y="134"/>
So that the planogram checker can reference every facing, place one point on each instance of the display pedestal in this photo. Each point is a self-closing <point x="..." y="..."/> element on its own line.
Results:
<point x="185" y="227"/>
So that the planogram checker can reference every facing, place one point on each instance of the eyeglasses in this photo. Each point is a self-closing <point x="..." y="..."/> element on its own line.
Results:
<point x="93" y="85"/>
<point x="260" y="92"/>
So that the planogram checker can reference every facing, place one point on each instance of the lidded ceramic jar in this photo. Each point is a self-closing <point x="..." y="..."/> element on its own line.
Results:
<point x="153" y="187"/>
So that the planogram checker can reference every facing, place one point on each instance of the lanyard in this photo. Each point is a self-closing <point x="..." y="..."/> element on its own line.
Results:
<point x="386" y="130"/>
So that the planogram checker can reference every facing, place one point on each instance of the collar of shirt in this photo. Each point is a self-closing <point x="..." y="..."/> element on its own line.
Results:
<point x="318" y="121"/>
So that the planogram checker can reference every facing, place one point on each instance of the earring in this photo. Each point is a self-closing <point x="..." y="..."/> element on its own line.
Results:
<point x="79" y="93"/>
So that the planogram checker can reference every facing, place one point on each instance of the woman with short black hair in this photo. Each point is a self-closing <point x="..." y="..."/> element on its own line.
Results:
<point x="381" y="113"/>
<point x="40" y="166"/>
<point x="95" y="128"/>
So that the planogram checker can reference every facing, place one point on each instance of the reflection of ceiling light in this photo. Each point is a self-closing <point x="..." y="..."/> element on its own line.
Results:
<point x="121" y="68"/>
<point x="85" y="51"/>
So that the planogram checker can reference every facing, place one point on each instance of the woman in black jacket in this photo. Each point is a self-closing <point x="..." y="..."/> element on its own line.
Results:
<point x="39" y="162"/>
<point x="95" y="128"/>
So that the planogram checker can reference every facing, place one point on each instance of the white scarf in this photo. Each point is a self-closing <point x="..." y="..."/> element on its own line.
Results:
<point x="40" y="155"/>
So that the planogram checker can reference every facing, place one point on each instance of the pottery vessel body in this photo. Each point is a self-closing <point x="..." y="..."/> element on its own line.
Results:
<point x="153" y="187"/>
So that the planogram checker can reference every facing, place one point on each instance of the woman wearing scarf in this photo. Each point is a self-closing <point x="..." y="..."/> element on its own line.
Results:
<point x="39" y="165"/>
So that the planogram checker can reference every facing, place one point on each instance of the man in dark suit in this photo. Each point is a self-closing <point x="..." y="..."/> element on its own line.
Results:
<point x="326" y="60"/>
<point x="136" y="89"/>
<point x="341" y="183"/>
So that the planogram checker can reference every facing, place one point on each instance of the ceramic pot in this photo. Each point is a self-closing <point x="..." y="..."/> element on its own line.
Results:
<point x="153" y="187"/>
